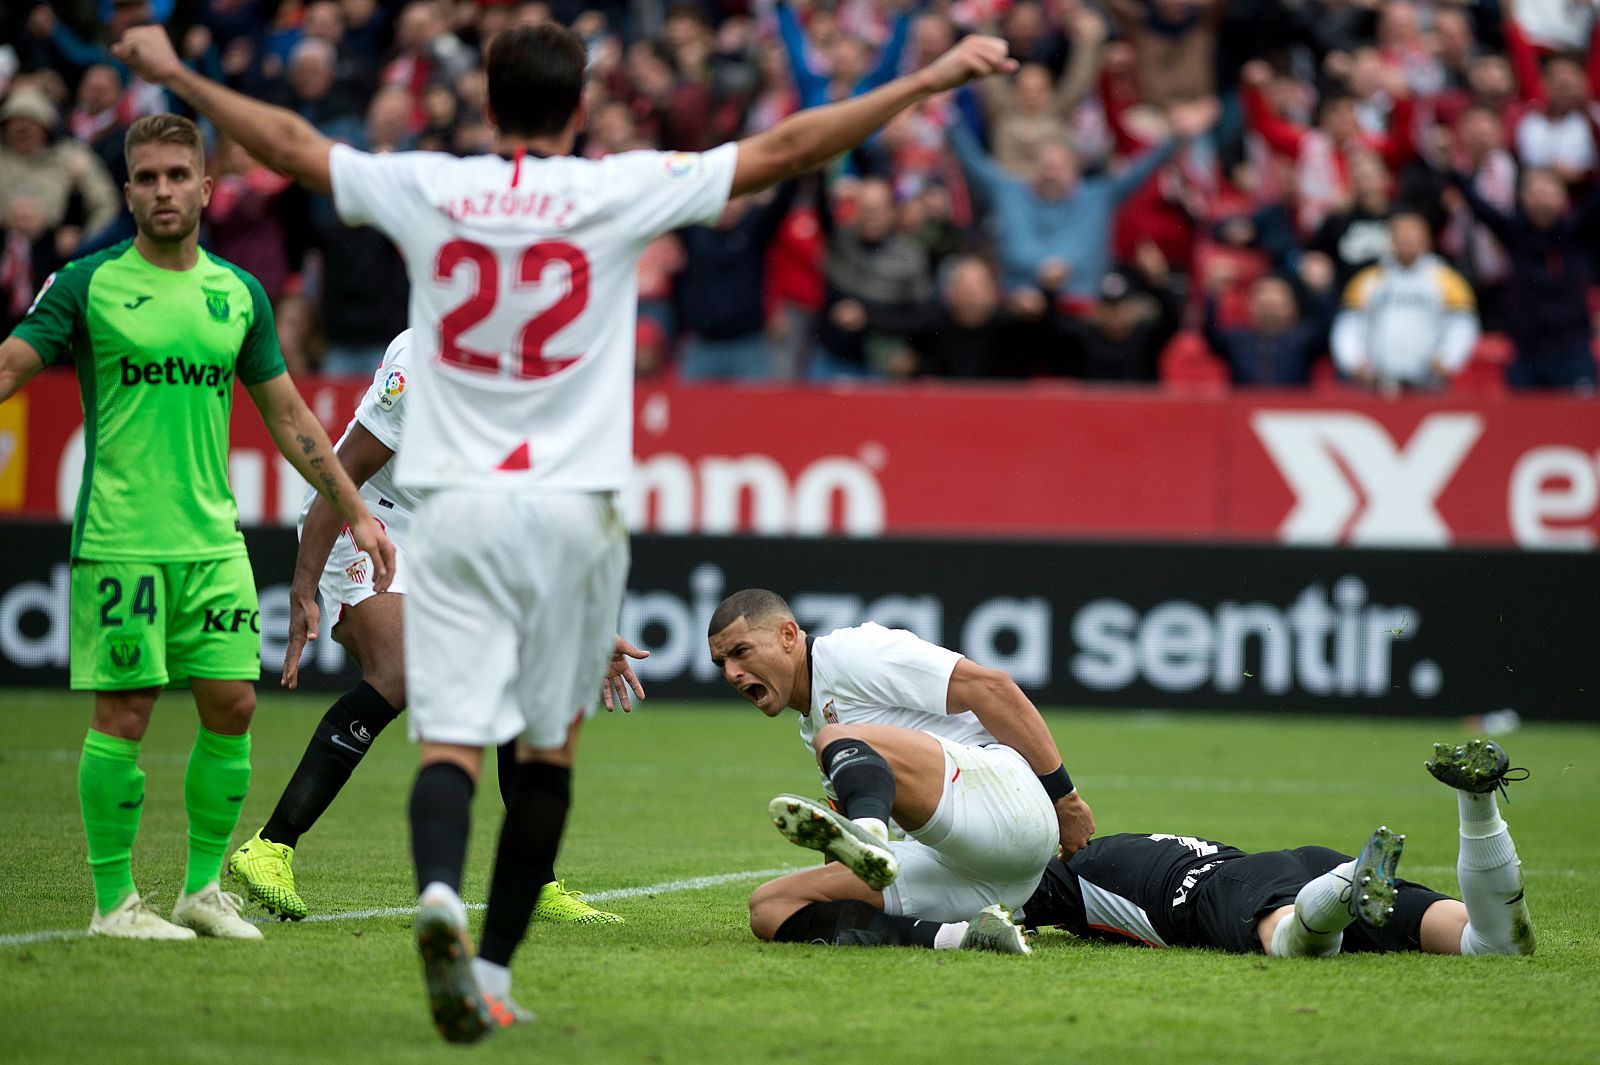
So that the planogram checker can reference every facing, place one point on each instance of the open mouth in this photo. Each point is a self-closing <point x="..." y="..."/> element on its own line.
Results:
<point x="756" y="693"/>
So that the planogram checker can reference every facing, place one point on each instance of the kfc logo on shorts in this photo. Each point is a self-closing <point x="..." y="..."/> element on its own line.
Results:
<point x="394" y="386"/>
<point x="356" y="572"/>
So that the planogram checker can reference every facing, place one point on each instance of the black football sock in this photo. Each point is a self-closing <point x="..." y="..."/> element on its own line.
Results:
<point x="526" y="859"/>
<point x="860" y="776"/>
<point x="441" y="818"/>
<point x="336" y="748"/>
<point x="850" y="922"/>
<point x="506" y="762"/>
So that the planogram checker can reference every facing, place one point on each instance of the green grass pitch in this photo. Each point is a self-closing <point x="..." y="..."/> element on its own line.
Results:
<point x="677" y="792"/>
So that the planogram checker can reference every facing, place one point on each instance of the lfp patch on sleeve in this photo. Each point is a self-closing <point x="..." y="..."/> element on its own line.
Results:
<point x="394" y="386"/>
<point x="682" y="164"/>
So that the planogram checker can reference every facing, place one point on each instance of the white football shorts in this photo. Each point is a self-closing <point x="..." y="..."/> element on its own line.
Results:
<point x="347" y="578"/>
<point x="512" y="609"/>
<point x="988" y="840"/>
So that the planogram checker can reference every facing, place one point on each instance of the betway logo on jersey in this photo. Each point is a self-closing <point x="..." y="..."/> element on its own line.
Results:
<point x="176" y="370"/>
<point x="1354" y="483"/>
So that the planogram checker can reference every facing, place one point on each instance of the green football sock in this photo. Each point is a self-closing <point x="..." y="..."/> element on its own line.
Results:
<point x="214" y="788"/>
<point x="111" y="794"/>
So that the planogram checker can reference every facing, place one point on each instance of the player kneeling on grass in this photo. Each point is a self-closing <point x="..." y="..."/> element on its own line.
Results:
<point x="162" y="591"/>
<point x="906" y="730"/>
<point x="370" y="628"/>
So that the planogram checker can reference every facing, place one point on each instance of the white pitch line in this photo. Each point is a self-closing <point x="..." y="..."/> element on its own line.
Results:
<point x="668" y="887"/>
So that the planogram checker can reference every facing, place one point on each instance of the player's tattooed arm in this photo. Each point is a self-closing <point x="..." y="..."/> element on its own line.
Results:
<point x="18" y="363"/>
<point x="301" y="440"/>
<point x="362" y="455"/>
<point x="275" y="135"/>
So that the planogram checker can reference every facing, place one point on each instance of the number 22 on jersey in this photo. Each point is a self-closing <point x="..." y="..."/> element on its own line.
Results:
<point x="533" y="264"/>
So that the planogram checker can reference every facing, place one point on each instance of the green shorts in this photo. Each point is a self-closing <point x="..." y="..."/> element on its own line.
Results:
<point x="149" y="624"/>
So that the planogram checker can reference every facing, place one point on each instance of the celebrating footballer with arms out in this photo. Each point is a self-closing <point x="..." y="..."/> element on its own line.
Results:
<point x="523" y="288"/>
<point x="368" y="625"/>
<point x="161" y="587"/>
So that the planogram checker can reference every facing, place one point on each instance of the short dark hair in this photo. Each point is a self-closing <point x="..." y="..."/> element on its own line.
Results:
<point x="535" y="79"/>
<point x="164" y="129"/>
<point x="752" y="604"/>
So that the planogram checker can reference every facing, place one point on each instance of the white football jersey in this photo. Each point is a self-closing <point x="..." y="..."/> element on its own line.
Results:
<point x="382" y="412"/>
<point x="523" y="301"/>
<point x="876" y="676"/>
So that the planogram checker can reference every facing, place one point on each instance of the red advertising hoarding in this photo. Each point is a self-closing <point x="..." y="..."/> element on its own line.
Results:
<point x="1036" y="461"/>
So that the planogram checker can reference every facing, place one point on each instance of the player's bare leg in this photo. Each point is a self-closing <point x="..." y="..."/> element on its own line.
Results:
<point x="374" y="635"/>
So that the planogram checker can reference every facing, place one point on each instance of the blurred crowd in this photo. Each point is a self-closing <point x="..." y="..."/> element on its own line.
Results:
<point x="1402" y="194"/>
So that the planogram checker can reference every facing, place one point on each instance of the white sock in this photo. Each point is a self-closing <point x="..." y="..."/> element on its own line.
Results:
<point x="949" y="936"/>
<point x="879" y="830"/>
<point x="492" y="979"/>
<point x="439" y="893"/>
<point x="1291" y="940"/>
<point x="1491" y="881"/>
<point x="1321" y="914"/>
<point x="1480" y="814"/>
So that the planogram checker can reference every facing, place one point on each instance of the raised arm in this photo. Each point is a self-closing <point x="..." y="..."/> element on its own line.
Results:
<point x="1499" y="223"/>
<point x="300" y="439"/>
<point x="814" y="136"/>
<point x="811" y="86"/>
<point x="1281" y="135"/>
<point x="976" y="163"/>
<point x="1083" y="68"/>
<point x="1011" y="718"/>
<point x="894" y="49"/>
<point x="1524" y="60"/>
<point x="275" y="135"/>
<point x="361" y="455"/>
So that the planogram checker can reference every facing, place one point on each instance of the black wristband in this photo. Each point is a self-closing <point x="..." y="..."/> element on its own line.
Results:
<point x="1057" y="784"/>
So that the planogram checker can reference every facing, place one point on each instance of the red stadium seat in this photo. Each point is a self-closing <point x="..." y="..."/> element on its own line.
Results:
<point x="1485" y="373"/>
<point x="1187" y="363"/>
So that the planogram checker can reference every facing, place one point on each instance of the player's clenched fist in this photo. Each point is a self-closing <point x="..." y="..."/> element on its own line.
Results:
<point x="148" y="50"/>
<point x="1077" y="823"/>
<point x="973" y="57"/>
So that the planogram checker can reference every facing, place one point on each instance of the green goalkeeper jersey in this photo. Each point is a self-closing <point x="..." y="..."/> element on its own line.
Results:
<point x="156" y="352"/>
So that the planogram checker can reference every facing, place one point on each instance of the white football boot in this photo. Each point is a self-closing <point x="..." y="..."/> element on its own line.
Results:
<point x="135" y="920"/>
<point x="994" y="930"/>
<point x="858" y="849"/>
<point x="214" y="912"/>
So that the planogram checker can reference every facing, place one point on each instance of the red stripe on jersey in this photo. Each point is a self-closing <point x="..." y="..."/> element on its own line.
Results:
<point x="516" y="167"/>
<point x="958" y="773"/>
<point x="1124" y="932"/>
<point x="520" y="459"/>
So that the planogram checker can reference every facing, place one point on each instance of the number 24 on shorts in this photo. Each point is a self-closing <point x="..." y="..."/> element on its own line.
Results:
<point x="143" y="605"/>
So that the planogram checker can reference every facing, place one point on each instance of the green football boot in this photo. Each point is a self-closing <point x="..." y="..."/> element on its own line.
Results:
<point x="266" y="869"/>
<point x="559" y="906"/>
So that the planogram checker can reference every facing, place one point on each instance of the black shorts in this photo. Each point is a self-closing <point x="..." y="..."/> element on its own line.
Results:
<point x="1228" y="901"/>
